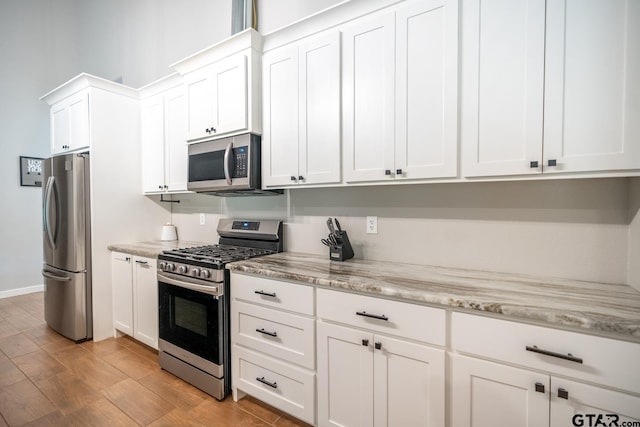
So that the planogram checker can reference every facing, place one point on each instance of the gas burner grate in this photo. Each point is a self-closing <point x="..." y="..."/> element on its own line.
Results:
<point x="218" y="254"/>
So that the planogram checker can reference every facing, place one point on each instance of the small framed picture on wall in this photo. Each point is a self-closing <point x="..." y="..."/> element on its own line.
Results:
<point x="31" y="171"/>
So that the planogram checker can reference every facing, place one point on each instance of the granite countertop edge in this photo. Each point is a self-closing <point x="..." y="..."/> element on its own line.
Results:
<point x="608" y="310"/>
<point x="151" y="248"/>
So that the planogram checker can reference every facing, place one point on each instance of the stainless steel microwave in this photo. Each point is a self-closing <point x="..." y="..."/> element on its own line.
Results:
<point x="226" y="166"/>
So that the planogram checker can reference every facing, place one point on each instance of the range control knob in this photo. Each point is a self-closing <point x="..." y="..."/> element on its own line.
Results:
<point x="195" y="272"/>
<point x="162" y="265"/>
<point x="205" y="274"/>
<point x="170" y="267"/>
<point x="182" y="269"/>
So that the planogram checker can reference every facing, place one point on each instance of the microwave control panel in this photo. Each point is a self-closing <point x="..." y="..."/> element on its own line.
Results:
<point x="241" y="157"/>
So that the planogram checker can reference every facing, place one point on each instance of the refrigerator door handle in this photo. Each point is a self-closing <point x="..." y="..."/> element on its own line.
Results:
<point x="47" y="216"/>
<point x="48" y="275"/>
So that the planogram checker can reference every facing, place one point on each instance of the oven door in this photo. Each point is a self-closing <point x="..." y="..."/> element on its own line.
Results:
<point x="193" y="322"/>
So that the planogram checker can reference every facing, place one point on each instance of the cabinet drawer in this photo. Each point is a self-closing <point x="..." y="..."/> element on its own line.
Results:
<point x="413" y="321"/>
<point x="273" y="293"/>
<point x="283" y="335"/>
<point x="604" y="360"/>
<point x="276" y="383"/>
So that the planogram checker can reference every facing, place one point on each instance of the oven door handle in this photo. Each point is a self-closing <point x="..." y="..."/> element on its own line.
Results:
<point x="211" y="290"/>
<point x="227" y="158"/>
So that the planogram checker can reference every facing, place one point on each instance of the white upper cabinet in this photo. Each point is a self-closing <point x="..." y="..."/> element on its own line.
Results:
<point x="550" y="87"/>
<point x="70" y="123"/>
<point x="280" y="117"/>
<point x="368" y="104"/>
<point x="301" y="141"/>
<point x="163" y="137"/>
<point x="592" y="85"/>
<point x="426" y="129"/>
<point x="400" y="93"/>
<point x="221" y="84"/>
<point x="78" y="109"/>
<point x="502" y="86"/>
<point x="152" y="144"/>
<point x="217" y="98"/>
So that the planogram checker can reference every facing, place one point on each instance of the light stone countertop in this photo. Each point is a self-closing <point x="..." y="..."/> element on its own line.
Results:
<point x="600" y="308"/>
<point x="152" y="248"/>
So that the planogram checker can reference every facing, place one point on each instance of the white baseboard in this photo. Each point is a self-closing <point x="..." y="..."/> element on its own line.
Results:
<point x="21" y="291"/>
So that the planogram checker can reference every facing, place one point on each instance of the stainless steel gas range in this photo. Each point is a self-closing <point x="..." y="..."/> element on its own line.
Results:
<point x="193" y="287"/>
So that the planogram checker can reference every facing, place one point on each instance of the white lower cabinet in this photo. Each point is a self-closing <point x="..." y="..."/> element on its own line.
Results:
<point x="273" y="344"/>
<point x="537" y="391"/>
<point x="586" y="405"/>
<point x="491" y="394"/>
<point x="334" y="358"/>
<point x="122" y="285"/>
<point x="368" y="378"/>
<point x="135" y="297"/>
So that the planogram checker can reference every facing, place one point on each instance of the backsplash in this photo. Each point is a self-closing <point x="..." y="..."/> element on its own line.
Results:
<point x="577" y="229"/>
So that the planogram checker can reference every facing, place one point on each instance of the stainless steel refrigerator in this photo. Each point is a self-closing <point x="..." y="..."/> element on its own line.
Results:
<point x="67" y="246"/>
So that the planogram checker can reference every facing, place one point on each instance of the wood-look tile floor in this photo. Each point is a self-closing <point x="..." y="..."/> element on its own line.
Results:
<point x="48" y="380"/>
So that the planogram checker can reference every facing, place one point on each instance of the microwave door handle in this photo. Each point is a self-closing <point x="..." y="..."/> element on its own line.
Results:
<point x="227" y="158"/>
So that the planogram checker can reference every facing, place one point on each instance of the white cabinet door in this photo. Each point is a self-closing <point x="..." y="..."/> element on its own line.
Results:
<point x="408" y="383"/>
<point x="230" y="95"/>
<point x="502" y="86"/>
<point x="70" y="123"/>
<point x="145" y="301"/>
<point x="319" y="116"/>
<point x="217" y="98"/>
<point x="152" y="144"/>
<point x="368" y="98"/>
<point x="592" y="85"/>
<point x="301" y="140"/>
<point x="587" y="405"/>
<point x="345" y="376"/>
<point x="199" y="89"/>
<point x="122" y="285"/>
<point x="176" y="159"/>
<point x="280" y="113"/>
<point x="426" y="90"/>
<point x="490" y="394"/>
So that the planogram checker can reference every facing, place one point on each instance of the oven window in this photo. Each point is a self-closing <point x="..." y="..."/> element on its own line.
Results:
<point x="192" y="321"/>
<point x="191" y="316"/>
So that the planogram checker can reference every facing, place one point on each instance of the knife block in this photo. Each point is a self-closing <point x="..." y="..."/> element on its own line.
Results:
<point x="342" y="250"/>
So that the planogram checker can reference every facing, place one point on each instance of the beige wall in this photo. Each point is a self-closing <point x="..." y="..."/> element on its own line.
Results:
<point x="564" y="228"/>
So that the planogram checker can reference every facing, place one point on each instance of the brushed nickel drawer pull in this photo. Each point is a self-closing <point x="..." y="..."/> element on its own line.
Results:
<point x="373" y="316"/>
<point x="570" y="357"/>
<point x="271" y="334"/>
<point x="266" y="294"/>
<point x="270" y="384"/>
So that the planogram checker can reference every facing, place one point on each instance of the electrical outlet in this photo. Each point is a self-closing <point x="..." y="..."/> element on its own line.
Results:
<point x="372" y="225"/>
<point x="202" y="221"/>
